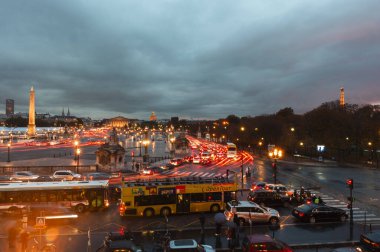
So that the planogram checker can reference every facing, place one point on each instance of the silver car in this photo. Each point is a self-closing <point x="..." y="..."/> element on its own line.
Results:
<point x="23" y="176"/>
<point x="66" y="175"/>
<point x="247" y="211"/>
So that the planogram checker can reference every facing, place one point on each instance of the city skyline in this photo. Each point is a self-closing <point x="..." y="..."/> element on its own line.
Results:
<point x="189" y="59"/>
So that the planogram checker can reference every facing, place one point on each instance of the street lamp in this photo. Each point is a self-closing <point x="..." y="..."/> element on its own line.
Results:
<point x="9" y="152"/>
<point x="140" y="147"/>
<point x="172" y="140"/>
<point x="76" y="143"/>
<point x="78" y="153"/>
<point x="275" y="154"/>
<point x="145" y="143"/>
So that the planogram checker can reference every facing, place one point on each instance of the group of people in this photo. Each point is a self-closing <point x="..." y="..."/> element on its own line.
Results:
<point x="304" y="196"/>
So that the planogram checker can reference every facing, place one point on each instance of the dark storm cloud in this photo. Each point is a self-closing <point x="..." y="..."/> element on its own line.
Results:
<point x="195" y="59"/>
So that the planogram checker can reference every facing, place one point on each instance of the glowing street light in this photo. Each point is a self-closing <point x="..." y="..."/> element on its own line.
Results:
<point x="275" y="154"/>
<point x="77" y="154"/>
<point x="172" y="140"/>
<point x="9" y="152"/>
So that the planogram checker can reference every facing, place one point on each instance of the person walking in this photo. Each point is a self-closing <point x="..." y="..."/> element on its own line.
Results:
<point x="316" y="200"/>
<point x="202" y="220"/>
<point x="12" y="235"/>
<point x="24" y="239"/>
<point x="237" y="226"/>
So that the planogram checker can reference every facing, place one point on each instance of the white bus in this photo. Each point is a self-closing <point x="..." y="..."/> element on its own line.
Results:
<point x="231" y="150"/>
<point x="77" y="195"/>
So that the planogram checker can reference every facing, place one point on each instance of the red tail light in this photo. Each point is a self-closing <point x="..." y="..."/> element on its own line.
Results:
<point x="301" y="214"/>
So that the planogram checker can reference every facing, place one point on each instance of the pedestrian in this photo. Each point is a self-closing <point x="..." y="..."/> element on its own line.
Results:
<point x="202" y="220"/>
<point x="231" y="236"/>
<point x="12" y="235"/>
<point x="237" y="225"/>
<point x="24" y="238"/>
<point x="218" y="229"/>
<point x="302" y="191"/>
<point x="316" y="200"/>
<point x="320" y="200"/>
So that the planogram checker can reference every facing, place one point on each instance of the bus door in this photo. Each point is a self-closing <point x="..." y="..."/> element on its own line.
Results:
<point x="183" y="203"/>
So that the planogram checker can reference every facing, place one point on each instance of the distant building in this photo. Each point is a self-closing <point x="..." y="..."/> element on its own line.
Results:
<point x="117" y="122"/>
<point x="174" y="120"/>
<point x="9" y="107"/>
<point x="153" y="117"/>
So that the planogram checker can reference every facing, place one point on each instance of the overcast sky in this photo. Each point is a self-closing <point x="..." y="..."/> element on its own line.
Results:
<point x="192" y="59"/>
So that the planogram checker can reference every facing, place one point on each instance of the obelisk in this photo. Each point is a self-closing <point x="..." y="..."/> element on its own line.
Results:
<point x="32" y="113"/>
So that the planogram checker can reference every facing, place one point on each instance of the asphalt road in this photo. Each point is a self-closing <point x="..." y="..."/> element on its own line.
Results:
<point x="328" y="180"/>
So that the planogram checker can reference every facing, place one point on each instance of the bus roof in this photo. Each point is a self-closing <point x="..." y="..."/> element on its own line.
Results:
<point x="231" y="144"/>
<point x="57" y="185"/>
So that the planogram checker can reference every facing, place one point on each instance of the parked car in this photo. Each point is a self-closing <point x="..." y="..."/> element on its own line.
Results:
<point x="5" y="178"/>
<point x="313" y="213"/>
<point x="371" y="241"/>
<point x="188" y="245"/>
<point x="152" y="170"/>
<point x="268" y="198"/>
<point x="168" y="166"/>
<point x="263" y="243"/>
<point x="23" y="176"/>
<point x="247" y="211"/>
<point x="66" y="175"/>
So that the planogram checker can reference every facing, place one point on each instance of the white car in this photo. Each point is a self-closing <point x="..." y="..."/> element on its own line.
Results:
<point x="196" y="160"/>
<point x="66" y="175"/>
<point x="23" y="176"/>
<point x="189" y="245"/>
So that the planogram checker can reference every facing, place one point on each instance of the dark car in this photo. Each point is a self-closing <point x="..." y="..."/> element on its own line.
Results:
<point x="263" y="243"/>
<point x="371" y="241"/>
<point x="268" y="198"/>
<point x="314" y="213"/>
<point x="119" y="241"/>
<point x="176" y="162"/>
<point x="152" y="170"/>
<point x="44" y="178"/>
<point x="97" y="176"/>
<point x="258" y="186"/>
<point x="168" y="166"/>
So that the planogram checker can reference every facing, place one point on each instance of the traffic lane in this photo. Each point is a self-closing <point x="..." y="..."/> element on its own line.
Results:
<point x="66" y="239"/>
<point x="333" y="180"/>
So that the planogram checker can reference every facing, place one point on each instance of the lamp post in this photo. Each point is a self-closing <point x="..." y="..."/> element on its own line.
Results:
<point x="145" y="143"/>
<point x="78" y="153"/>
<point x="275" y="154"/>
<point x="9" y="153"/>
<point x="172" y="140"/>
<point x="140" y="142"/>
<point x="76" y="143"/>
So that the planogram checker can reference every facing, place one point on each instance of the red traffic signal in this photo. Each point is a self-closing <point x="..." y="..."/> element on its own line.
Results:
<point x="350" y="183"/>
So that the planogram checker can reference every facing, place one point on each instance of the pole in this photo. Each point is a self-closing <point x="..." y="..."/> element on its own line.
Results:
<point x="242" y="177"/>
<point x="140" y="149"/>
<point x="351" y="216"/>
<point x="275" y="171"/>
<point x="9" y="153"/>
<point x="77" y="162"/>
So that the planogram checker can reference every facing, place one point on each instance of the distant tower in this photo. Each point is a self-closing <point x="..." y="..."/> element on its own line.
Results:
<point x="63" y="112"/>
<point x="68" y="112"/>
<point x="341" y="98"/>
<point x="32" y="115"/>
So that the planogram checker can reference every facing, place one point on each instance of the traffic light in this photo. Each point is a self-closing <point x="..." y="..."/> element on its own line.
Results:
<point x="350" y="183"/>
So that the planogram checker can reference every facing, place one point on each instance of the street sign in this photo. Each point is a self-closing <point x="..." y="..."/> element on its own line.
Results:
<point x="40" y="221"/>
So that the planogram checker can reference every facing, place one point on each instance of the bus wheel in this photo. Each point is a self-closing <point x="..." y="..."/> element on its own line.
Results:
<point x="215" y="208"/>
<point x="79" y="208"/>
<point x="149" y="212"/>
<point x="165" y="211"/>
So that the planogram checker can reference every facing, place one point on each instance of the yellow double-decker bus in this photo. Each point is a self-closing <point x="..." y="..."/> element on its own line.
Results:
<point x="176" y="195"/>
